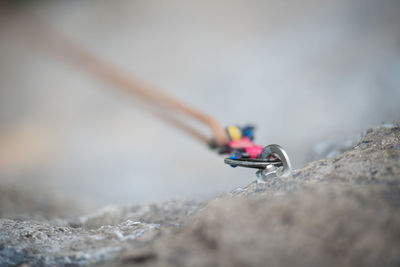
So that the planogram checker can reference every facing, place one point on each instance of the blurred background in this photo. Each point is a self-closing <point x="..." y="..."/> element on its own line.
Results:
<point x="301" y="71"/>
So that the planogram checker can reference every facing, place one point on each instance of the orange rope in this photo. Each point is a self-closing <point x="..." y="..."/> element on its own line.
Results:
<point x="84" y="58"/>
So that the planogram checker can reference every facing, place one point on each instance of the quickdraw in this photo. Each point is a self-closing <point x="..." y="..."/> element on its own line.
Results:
<point x="271" y="161"/>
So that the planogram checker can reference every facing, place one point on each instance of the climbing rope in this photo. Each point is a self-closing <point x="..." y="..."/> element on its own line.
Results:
<point x="52" y="39"/>
<point x="237" y="141"/>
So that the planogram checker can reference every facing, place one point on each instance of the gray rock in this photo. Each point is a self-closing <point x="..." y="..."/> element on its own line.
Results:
<point x="90" y="239"/>
<point x="331" y="148"/>
<point x="341" y="211"/>
<point x="344" y="211"/>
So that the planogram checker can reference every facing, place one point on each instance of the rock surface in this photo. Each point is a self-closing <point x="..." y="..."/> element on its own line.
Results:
<point x="341" y="211"/>
<point x="93" y="238"/>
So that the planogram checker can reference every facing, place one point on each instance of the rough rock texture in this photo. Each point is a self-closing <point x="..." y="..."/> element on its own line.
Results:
<point x="93" y="238"/>
<point x="342" y="211"/>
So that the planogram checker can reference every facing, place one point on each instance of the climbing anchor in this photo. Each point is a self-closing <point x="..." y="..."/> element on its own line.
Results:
<point x="271" y="161"/>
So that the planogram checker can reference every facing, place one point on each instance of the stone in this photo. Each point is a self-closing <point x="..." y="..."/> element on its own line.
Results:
<point x="340" y="211"/>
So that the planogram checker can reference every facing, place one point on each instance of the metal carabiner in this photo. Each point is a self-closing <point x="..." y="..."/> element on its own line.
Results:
<point x="273" y="162"/>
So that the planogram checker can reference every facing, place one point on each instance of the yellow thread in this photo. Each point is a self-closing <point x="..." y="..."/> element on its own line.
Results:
<point x="234" y="132"/>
